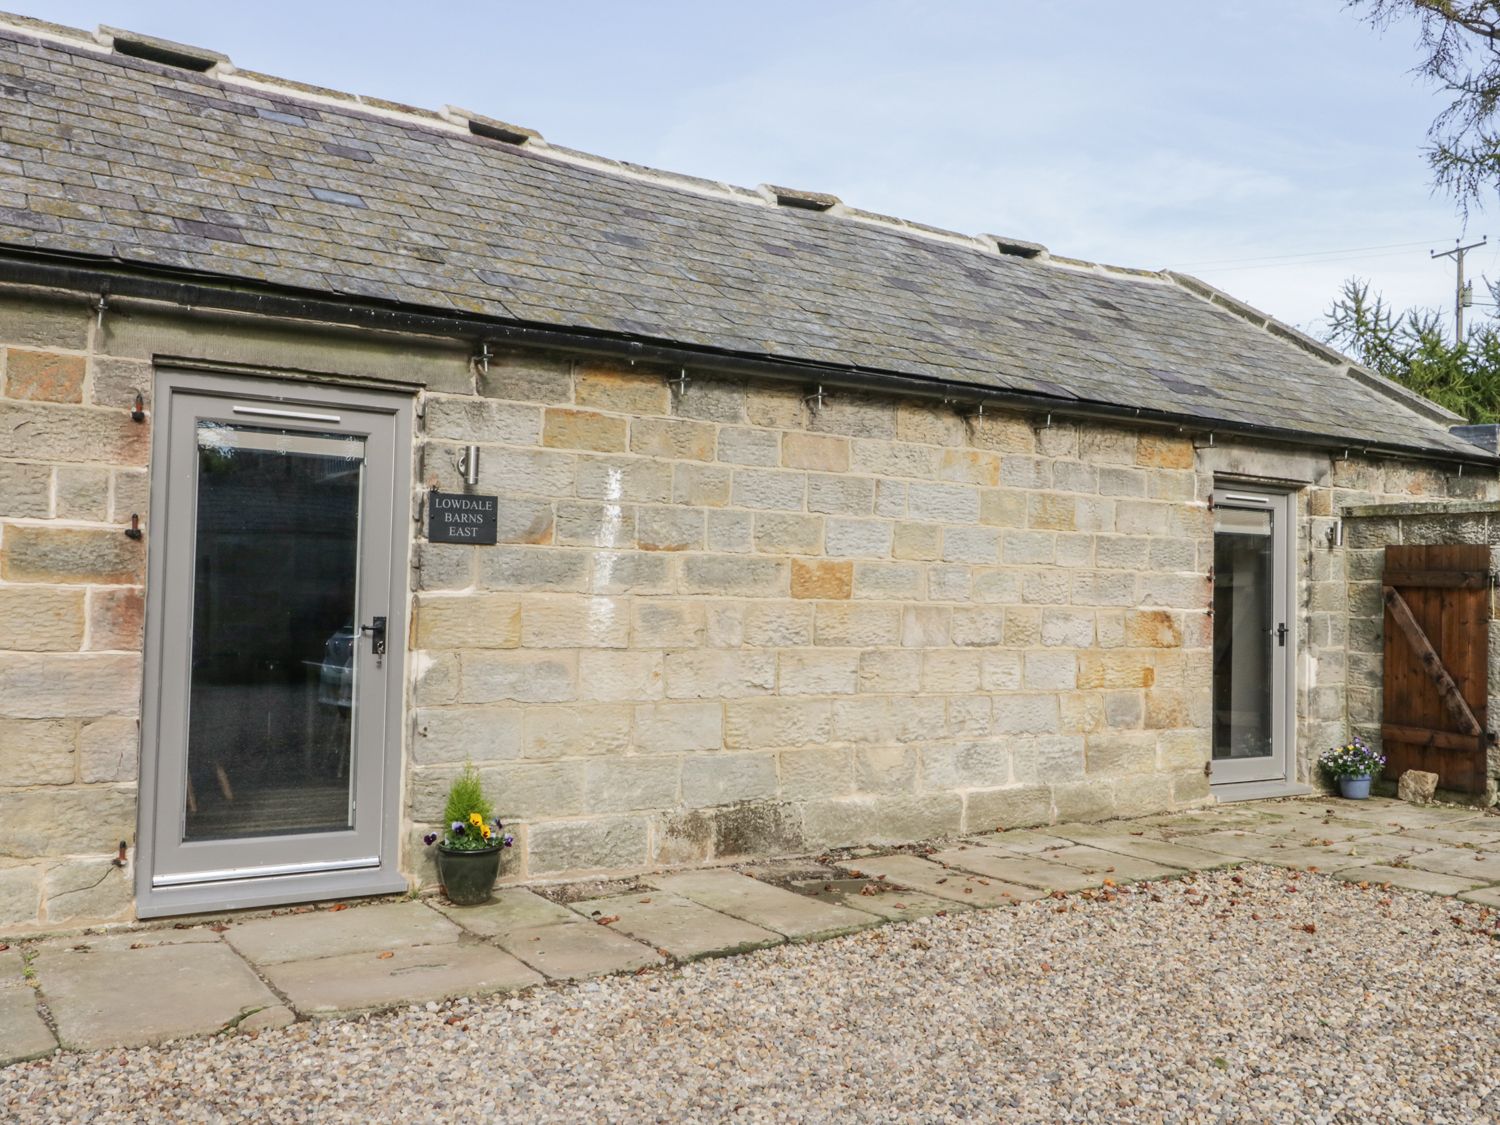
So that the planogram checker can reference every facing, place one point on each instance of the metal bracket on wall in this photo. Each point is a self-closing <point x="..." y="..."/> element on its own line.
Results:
<point x="679" y="385"/>
<point x="482" y="358"/>
<point x="814" y="401"/>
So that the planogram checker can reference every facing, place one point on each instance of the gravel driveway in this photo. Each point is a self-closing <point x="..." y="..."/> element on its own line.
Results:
<point x="1249" y="994"/>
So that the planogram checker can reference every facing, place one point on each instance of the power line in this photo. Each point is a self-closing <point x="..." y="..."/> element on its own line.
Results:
<point x="1310" y="261"/>
<point x="1308" y="254"/>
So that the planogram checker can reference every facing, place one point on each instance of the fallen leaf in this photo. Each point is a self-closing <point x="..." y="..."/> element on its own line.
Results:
<point x="643" y="900"/>
<point x="336" y="907"/>
<point x="1046" y="966"/>
<point x="944" y="879"/>
<point x="608" y="920"/>
<point x="968" y="890"/>
<point x="385" y="955"/>
<point x="1309" y="928"/>
<point x="1109" y="882"/>
<point x="218" y="927"/>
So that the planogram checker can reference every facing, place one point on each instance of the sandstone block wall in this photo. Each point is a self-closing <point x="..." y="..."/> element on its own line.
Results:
<point x="726" y="622"/>
<point x="72" y="471"/>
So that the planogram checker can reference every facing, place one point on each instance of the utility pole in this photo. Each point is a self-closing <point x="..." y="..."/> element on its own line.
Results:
<point x="1461" y="296"/>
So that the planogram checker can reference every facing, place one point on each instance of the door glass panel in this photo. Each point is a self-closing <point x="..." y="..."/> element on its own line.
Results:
<point x="274" y="595"/>
<point x="1244" y="633"/>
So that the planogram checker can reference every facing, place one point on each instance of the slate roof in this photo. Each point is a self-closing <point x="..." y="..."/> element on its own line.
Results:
<point x="107" y="155"/>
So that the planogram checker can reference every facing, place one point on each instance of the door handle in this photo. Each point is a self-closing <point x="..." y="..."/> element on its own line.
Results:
<point x="376" y="631"/>
<point x="1280" y="632"/>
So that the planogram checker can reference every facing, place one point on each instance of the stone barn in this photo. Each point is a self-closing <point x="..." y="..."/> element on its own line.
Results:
<point x="344" y="442"/>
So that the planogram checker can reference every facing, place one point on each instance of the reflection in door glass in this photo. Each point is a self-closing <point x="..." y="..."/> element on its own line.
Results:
<point x="273" y="689"/>
<point x="1243" y="634"/>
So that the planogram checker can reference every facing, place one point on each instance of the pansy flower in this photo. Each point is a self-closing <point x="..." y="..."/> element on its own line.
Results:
<point x="430" y="839"/>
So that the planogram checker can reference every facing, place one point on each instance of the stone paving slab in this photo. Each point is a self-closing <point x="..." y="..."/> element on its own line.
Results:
<point x="1325" y="861"/>
<point x="514" y="908"/>
<point x="892" y="903"/>
<point x="1168" y="853"/>
<point x="23" y="1033"/>
<point x="957" y="886"/>
<point x="1025" y="841"/>
<point x="680" y="926"/>
<point x="325" y="933"/>
<point x="1485" y="896"/>
<point x="1304" y="831"/>
<point x="794" y="916"/>
<point x="355" y="982"/>
<point x="111" y="997"/>
<point x="1409" y="878"/>
<point x="1464" y="863"/>
<point x="1112" y="865"/>
<point x="576" y="949"/>
<point x="1239" y="843"/>
<point x="1026" y="870"/>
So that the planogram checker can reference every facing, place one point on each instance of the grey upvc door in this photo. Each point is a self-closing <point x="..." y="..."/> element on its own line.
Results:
<point x="276" y="612"/>
<point x="1255" y="636"/>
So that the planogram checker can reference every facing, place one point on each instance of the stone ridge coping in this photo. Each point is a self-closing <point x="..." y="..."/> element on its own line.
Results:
<point x="1422" y="508"/>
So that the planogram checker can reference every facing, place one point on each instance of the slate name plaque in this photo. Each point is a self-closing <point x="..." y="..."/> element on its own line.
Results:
<point x="459" y="517"/>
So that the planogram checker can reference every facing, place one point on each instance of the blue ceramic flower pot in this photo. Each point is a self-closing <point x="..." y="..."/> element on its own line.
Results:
<point x="1355" y="788"/>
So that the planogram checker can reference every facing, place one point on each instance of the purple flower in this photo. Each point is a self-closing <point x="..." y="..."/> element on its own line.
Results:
<point x="508" y="841"/>
<point x="430" y="839"/>
<point x="457" y="828"/>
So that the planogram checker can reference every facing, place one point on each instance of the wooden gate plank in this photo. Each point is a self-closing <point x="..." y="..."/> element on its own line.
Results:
<point x="1432" y="663"/>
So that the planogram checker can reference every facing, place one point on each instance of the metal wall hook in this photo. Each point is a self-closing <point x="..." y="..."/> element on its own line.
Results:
<point x="134" y="530"/>
<point x="814" y="401"/>
<point x="482" y="358"/>
<point x="138" y="412"/>
<point x="99" y="307"/>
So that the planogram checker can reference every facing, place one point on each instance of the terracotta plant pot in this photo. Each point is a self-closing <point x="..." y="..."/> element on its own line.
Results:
<point x="468" y="877"/>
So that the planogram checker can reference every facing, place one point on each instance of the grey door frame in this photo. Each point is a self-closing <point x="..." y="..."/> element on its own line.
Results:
<point x="1280" y="501"/>
<point x="373" y="845"/>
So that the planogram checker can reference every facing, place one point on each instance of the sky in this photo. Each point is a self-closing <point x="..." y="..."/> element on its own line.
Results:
<point x="1270" y="147"/>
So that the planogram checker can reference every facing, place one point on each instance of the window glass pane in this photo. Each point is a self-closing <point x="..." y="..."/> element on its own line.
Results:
<point x="1243" y="634"/>
<point x="274" y="596"/>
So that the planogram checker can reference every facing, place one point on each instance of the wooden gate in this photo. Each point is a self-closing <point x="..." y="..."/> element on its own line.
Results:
<point x="1437" y="612"/>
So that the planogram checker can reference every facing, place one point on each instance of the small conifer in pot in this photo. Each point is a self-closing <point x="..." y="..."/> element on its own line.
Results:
<point x="470" y="842"/>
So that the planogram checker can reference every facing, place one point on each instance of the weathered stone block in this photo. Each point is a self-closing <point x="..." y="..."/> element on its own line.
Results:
<point x="549" y="621"/>
<point x="1026" y="714"/>
<point x="98" y="818"/>
<point x="624" y="676"/>
<point x="818" y="672"/>
<point x="891" y="581"/>
<point x="712" y="400"/>
<point x="617" y="843"/>
<point x="717" y="574"/>
<point x="92" y="889"/>
<point x="950" y="670"/>
<point x="441" y="566"/>
<point x="785" y="533"/>
<point x="81" y="493"/>
<point x="815" y="579"/>
<point x="43" y="376"/>
<point x="459" y="734"/>
<point x="625" y="392"/>
<point x="856" y="625"/>
<point x="116" y="382"/>
<point x="663" y="728"/>
<point x="942" y="503"/>
<point x="673" y="438"/>
<point x="37" y="752"/>
<point x="68" y="555"/>
<point x="1012" y="806"/>
<point x="963" y="765"/>
<point x="840" y="494"/>
<point x="849" y="821"/>
<point x="41" y="431"/>
<point x="468" y="419"/>
<point x="715" y="674"/>
<point x="816" y="772"/>
<point x="815" y="451"/>
<point x="20" y="894"/>
<point x="109" y="749"/>
<point x="977" y="625"/>
<point x="969" y="466"/>
<point x="1083" y="800"/>
<point x="886" y="671"/>
<point x="852" y="538"/>
<point x="769" y="488"/>
<point x="757" y="828"/>
<point x="724" y="778"/>
<point x="705" y="486"/>
<point x="596" y="525"/>
<point x="630" y="784"/>
<point x="670" y="529"/>
<point x="744" y="446"/>
<point x="778" y="624"/>
<point x="768" y="723"/>
<point x="69" y="686"/>
<point x="531" y="790"/>
<point x="470" y="621"/>
<point x="583" y="429"/>
<point x="576" y="731"/>
<point x="520" y="568"/>
<point x="25" y="490"/>
<point x="41" y="619"/>
<point x="490" y="677"/>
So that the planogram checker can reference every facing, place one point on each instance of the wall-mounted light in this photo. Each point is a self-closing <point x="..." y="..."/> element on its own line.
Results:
<point x="468" y="464"/>
<point x="1336" y="534"/>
